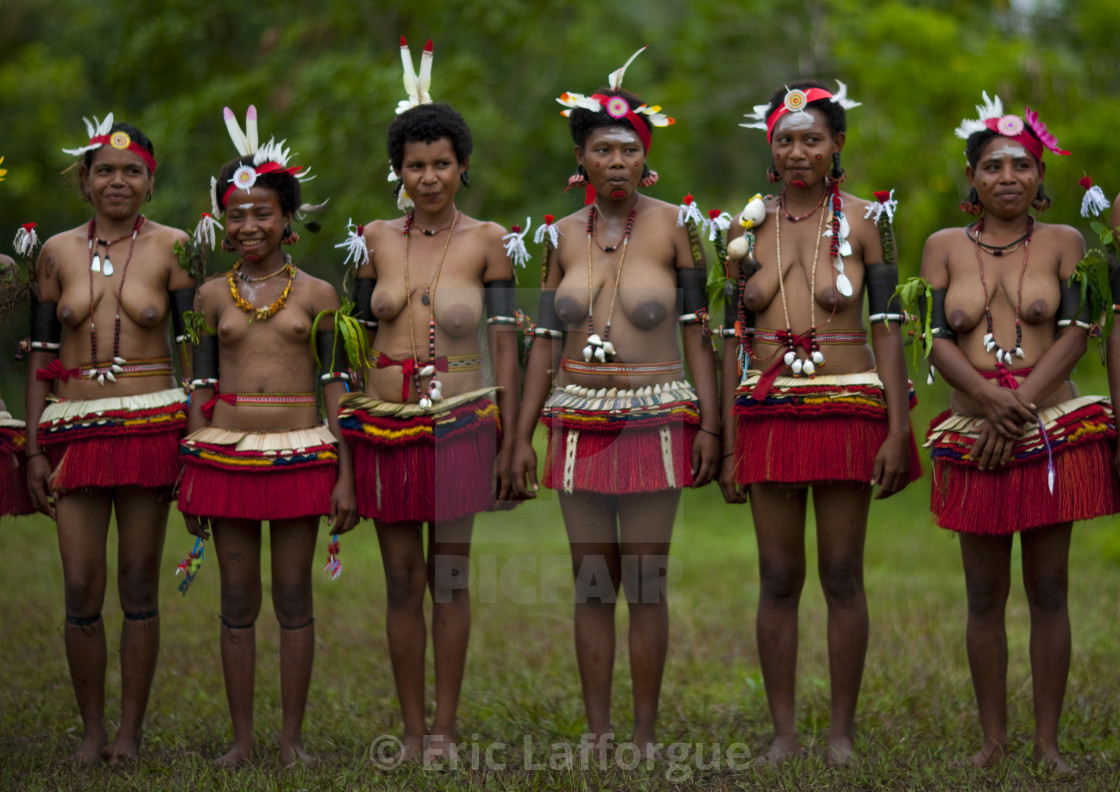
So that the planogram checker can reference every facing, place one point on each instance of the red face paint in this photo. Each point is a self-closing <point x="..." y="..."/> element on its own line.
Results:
<point x="618" y="194"/>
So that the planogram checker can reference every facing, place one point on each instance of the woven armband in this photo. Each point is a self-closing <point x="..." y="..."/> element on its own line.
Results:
<point x="182" y="300"/>
<point x="1071" y="310"/>
<point x="332" y="357"/>
<point x="548" y="323"/>
<point x="46" y="330"/>
<point x="205" y="366"/>
<point x="499" y="302"/>
<point x="938" y="324"/>
<point x="691" y="281"/>
<point x="882" y="280"/>
<point x="362" y="295"/>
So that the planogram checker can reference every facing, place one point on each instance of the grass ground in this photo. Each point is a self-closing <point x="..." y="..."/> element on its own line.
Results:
<point x="521" y="699"/>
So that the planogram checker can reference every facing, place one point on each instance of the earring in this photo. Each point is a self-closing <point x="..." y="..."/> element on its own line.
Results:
<point x="148" y="197"/>
<point x="1041" y="201"/>
<point x="837" y="173"/>
<point x="772" y="174"/>
<point x="649" y="177"/>
<point x="465" y="179"/>
<point x="971" y="205"/>
<point x="227" y="245"/>
<point x="577" y="179"/>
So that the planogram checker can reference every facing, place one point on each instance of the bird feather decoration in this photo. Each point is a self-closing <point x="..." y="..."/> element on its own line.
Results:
<point x="416" y="87"/>
<point x="94" y="129"/>
<point x="991" y="108"/>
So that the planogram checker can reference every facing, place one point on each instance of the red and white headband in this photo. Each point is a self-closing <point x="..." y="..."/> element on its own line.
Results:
<point x="796" y="100"/>
<point x="641" y="117"/>
<point x="100" y="134"/>
<point x="272" y="157"/>
<point x="991" y="116"/>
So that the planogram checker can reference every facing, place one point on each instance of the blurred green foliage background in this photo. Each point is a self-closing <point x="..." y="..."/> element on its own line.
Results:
<point x="326" y="76"/>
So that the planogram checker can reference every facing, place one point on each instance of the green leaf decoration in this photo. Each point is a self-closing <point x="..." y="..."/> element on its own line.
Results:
<point x="355" y="341"/>
<point x="911" y="294"/>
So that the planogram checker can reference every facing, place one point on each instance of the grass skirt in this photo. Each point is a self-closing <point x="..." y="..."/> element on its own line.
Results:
<point x="828" y="428"/>
<point x="126" y="441"/>
<point x="239" y="475"/>
<point x="620" y="443"/>
<point x="415" y="465"/>
<point x="14" y="497"/>
<point x="1082" y="436"/>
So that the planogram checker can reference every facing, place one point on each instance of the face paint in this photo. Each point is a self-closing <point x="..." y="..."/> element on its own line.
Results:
<point x="1007" y="149"/>
<point x="796" y="121"/>
<point x="820" y="156"/>
<point x="618" y="194"/>
<point x="798" y="183"/>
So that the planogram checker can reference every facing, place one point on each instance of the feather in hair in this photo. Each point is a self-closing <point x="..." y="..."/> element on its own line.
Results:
<point x="614" y="79"/>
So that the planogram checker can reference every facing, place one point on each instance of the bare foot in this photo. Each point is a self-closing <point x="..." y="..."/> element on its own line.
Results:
<point x="235" y="756"/>
<point x="93" y="748"/>
<point x="1048" y="757"/>
<point x="440" y="750"/>
<point x="781" y="750"/>
<point x="124" y="751"/>
<point x="838" y="752"/>
<point x="649" y="750"/>
<point x="990" y="755"/>
<point x="295" y="754"/>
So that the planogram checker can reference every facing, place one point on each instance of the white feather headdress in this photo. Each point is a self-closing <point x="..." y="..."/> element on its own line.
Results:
<point x="614" y="80"/>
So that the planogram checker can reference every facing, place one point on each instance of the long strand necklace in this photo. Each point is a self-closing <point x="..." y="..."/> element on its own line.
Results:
<point x="816" y="357"/>
<point x="246" y="306"/>
<point x="598" y="347"/>
<point x="429" y="369"/>
<point x="96" y="263"/>
<point x="1004" y="357"/>
<point x="107" y="372"/>
<point x="409" y="224"/>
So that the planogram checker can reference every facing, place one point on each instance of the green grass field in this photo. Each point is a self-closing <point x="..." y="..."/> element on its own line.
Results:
<point x="521" y="699"/>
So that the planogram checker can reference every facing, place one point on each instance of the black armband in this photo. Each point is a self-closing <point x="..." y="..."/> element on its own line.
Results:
<point x="205" y="366"/>
<point x="362" y="295"/>
<point x="499" y="302"/>
<point x="692" y="282"/>
<point x="938" y="324"/>
<point x="882" y="280"/>
<point x="1114" y="280"/>
<point x="1072" y="310"/>
<point x="548" y="323"/>
<point x="182" y="300"/>
<point x="332" y="357"/>
<point x="46" y="330"/>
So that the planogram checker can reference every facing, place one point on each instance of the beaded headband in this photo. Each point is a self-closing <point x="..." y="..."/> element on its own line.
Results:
<point x="796" y="100"/>
<point x="100" y="134"/>
<point x="272" y="157"/>
<point x="617" y="107"/>
<point x="991" y="116"/>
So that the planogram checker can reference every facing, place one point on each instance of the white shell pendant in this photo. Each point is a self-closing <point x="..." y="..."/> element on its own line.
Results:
<point x="843" y="285"/>
<point x="818" y="357"/>
<point x="608" y="347"/>
<point x="427" y="371"/>
<point x="797" y="364"/>
<point x="425" y="403"/>
<point x="807" y="368"/>
<point x="107" y="267"/>
<point x="600" y="355"/>
<point x="790" y="357"/>
<point x="587" y="354"/>
<point x="95" y="265"/>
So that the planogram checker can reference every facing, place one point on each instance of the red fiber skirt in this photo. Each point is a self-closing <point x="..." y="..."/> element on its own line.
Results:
<point x="14" y="496"/>
<point x="1017" y="497"/>
<point x="130" y="441"/>
<point x="828" y="428"/>
<point x="240" y="475"/>
<point x="413" y="465"/>
<point x="620" y="445"/>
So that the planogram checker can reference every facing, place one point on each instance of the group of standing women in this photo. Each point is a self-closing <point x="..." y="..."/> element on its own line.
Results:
<point x="428" y="442"/>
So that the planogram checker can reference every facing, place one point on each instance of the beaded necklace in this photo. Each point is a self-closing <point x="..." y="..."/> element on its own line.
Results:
<point x="107" y="372"/>
<point x="816" y="357"/>
<point x="598" y="347"/>
<point x="1004" y="357"/>
<point x="96" y="263"/>
<point x="798" y="218"/>
<point x="409" y="224"/>
<point x="246" y="306"/>
<point x="429" y="369"/>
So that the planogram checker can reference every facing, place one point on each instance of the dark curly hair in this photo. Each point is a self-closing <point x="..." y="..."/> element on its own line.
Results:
<point x="427" y="124"/>
<point x="285" y="185"/>
<point x="582" y="122"/>
<point x="833" y="111"/>
<point x="138" y="137"/>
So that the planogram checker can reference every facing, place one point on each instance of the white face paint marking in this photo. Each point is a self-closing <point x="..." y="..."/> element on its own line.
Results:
<point x="245" y="206"/>
<point x="1007" y="148"/>
<point x="617" y="134"/>
<point x="795" y="122"/>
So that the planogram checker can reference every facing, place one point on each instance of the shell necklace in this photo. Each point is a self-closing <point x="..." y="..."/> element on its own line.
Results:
<point x="598" y="347"/>
<point x="428" y="298"/>
<point x="798" y="365"/>
<point x="1004" y="357"/>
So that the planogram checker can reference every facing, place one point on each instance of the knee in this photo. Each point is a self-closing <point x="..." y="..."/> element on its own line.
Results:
<point x="594" y="583"/>
<point x="138" y="588"/>
<point x="781" y="585"/>
<point x="842" y="582"/>
<point x="451" y="578"/>
<point x="240" y="604"/>
<point x="84" y="593"/>
<point x="292" y="602"/>
<point x="646" y="579"/>
<point x="405" y="584"/>
<point x="986" y="597"/>
<point x="1047" y="594"/>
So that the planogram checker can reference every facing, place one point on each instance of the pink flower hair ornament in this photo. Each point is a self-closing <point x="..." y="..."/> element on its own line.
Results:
<point x="990" y="115"/>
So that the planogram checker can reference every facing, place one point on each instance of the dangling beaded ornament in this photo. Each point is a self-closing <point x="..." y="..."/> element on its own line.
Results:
<point x="807" y="366"/>
<point x="1004" y="357"/>
<point x="105" y="265"/>
<point x="434" y="392"/>
<point x="601" y="348"/>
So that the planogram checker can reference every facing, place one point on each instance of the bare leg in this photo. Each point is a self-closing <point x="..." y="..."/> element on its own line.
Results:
<point x="645" y="531"/>
<point x="593" y="542"/>
<point x="402" y="555"/>
<point x="987" y="575"/>
<point x="841" y="512"/>
<point x="293" y="548"/>
<point x="141" y="526"/>
<point x="237" y="544"/>
<point x="449" y="549"/>
<point x="1046" y="578"/>
<point x="779" y="522"/>
<point x="83" y="524"/>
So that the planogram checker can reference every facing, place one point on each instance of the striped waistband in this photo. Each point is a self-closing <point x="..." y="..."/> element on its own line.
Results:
<point x="628" y="369"/>
<point x="156" y="367"/>
<point x="269" y="399"/>
<point x="772" y="337"/>
<point x="454" y="362"/>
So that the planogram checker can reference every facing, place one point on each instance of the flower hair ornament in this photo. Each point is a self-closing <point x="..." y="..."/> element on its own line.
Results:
<point x="796" y="100"/>
<point x="990" y="115"/>
<point x="417" y="92"/>
<point x="99" y="134"/>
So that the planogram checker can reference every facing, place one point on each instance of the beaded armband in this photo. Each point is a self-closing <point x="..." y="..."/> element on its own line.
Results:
<point x="46" y="330"/>
<point x="362" y="295"/>
<point x="331" y="352"/>
<point x="182" y="300"/>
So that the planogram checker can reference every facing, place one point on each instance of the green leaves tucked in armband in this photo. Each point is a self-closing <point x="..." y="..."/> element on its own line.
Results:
<point x="1091" y="277"/>
<point x="192" y="258"/>
<point x="915" y="296"/>
<point x="351" y="334"/>
<point x="195" y="326"/>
